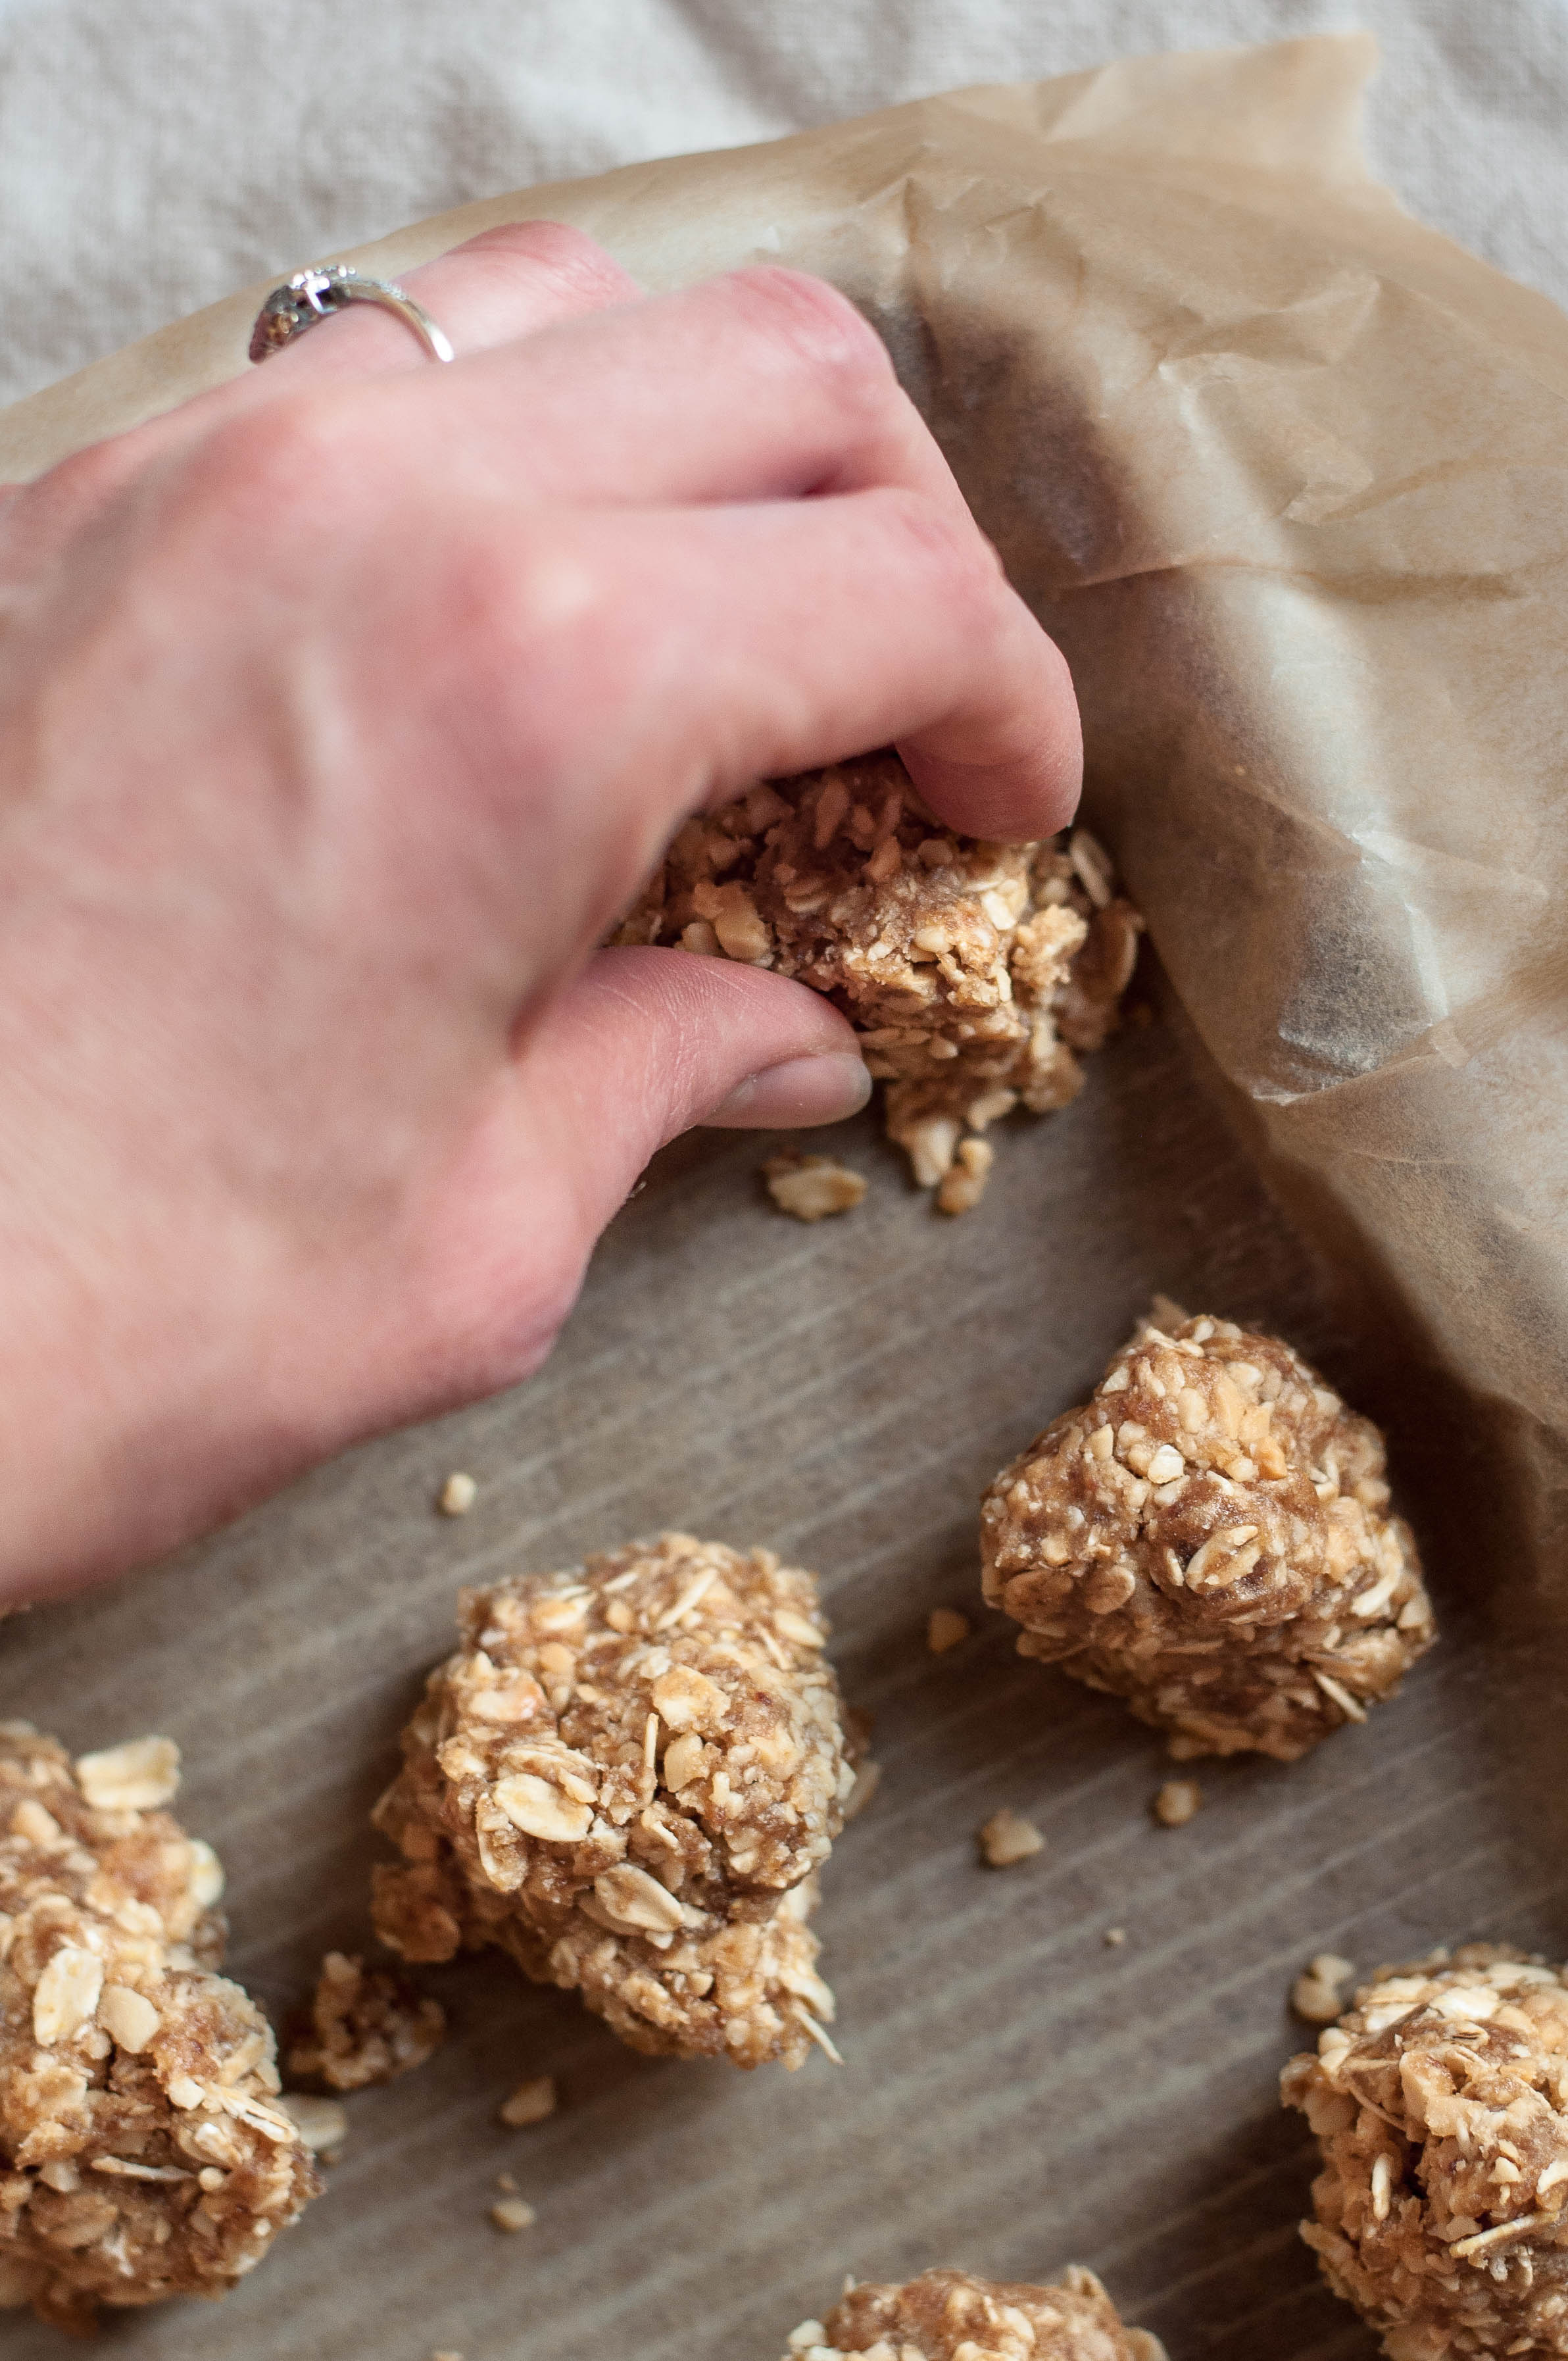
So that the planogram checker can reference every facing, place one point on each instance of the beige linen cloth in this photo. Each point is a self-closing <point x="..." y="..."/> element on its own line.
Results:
<point x="156" y="153"/>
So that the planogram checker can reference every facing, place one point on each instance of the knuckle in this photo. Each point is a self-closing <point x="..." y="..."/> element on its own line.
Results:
<point x="564" y="258"/>
<point x="815" y="324"/>
<point x="270" y="461"/>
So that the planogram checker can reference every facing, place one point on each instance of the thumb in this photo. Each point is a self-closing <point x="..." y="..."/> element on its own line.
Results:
<point x="643" y="1044"/>
<point x="647" y="1043"/>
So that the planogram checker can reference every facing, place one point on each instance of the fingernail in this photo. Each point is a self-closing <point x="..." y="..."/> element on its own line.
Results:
<point x="802" y="1092"/>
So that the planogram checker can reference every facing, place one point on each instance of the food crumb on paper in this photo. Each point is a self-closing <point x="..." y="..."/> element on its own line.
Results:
<point x="812" y="1187"/>
<point x="1317" y="1993"/>
<point x="1177" y="1801"/>
<point x="946" y="1629"/>
<point x="513" y="2214"/>
<point x="1007" y="1838"/>
<point x="529" y="2103"/>
<point x="457" y="1495"/>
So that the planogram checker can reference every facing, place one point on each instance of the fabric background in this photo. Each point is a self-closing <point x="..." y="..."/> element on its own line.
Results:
<point x="155" y="154"/>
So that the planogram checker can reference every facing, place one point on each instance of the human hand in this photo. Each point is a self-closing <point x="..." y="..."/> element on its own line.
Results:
<point x="341" y="711"/>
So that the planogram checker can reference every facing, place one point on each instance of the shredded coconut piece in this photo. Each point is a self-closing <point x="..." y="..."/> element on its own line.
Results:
<point x="972" y="970"/>
<point x="1210" y="1537"/>
<point x="1440" y="2102"/>
<point x="143" y="2148"/>
<point x="628" y="1777"/>
<point x="952" y="2316"/>
<point x="457" y="1495"/>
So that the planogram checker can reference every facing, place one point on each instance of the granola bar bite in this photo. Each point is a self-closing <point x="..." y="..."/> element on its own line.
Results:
<point x="1210" y="1538"/>
<point x="973" y="972"/>
<point x="627" y="1777"/>
<point x="952" y="2316"/>
<point x="1440" y="2102"/>
<point x="365" y="2025"/>
<point x="143" y="2152"/>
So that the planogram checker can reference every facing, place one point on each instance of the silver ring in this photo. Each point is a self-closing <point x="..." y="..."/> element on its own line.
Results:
<point x="316" y="294"/>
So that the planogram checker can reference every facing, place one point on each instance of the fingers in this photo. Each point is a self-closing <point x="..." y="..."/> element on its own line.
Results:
<point x="764" y="384"/>
<point x="507" y="283"/>
<point x="763" y="387"/>
<point x="588" y="679"/>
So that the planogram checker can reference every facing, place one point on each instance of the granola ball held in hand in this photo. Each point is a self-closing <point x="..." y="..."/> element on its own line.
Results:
<point x="628" y="1777"/>
<point x="972" y="971"/>
<point x="1210" y="1538"/>
<point x="143" y="2152"/>
<point x="952" y="2316"/>
<point x="1441" y="2106"/>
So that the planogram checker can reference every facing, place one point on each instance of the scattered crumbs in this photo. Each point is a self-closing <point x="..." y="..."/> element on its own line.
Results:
<point x="1318" y="1993"/>
<point x="458" y="1495"/>
<point x="1177" y="1802"/>
<point x="512" y="2214"/>
<point x="1006" y="1838"/>
<point x="322" y="2123"/>
<point x="1114" y="1937"/>
<point x="445" y="2355"/>
<point x="963" y="1184"/>
<point x="811" y="1186"/>
<point x="529" y="2103"/>
<point x="868" y="1779"/>
<point x="506" y="2184"/>
<point x="946" y="1629"/>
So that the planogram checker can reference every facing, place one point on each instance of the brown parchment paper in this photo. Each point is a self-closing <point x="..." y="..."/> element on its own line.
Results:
<point x="1285" y="472"/>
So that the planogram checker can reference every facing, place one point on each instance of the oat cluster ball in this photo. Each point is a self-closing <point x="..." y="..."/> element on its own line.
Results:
<point x="1441" y="2106"/>
<point x="1210" y="1538"/>
<point x="972" y="970"/>
<point x="950" y="2316"/>
<point x="143" y="2151"/>
<point x="628" y="1777"/>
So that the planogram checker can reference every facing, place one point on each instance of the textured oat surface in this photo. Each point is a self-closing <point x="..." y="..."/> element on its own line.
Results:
<point x="142" y="2150"/>
<point x="1210" y="1537"/>
<point x="1440" y="2102"/>
<point x="628" y="1777"/>
<point x="947" y="2316"/>
<point x="365" y="2025"/>
<point x="973" y="972"/>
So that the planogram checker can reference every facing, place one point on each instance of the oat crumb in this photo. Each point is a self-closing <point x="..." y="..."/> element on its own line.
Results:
<point x="811" y="1186"/>
<point x="322" y="2123"/>
<point x="506" y="2184"/>
<point x="458" y="1495"/>
<point x="868" y="1779"/>
<point x="946" y="1629"/>
<point x="1114" y="1937"/>
<point x="1177" y="1802"/>
<point x="529" y="2103"/>
<point x="1317" y="1993"/>
<point x="445" y="2355"/>
<point x="513" y="2214"/>
<point x="1007" y="1838"/>
<point x="962" y="1186"/>
<point x="365" y="2025"/>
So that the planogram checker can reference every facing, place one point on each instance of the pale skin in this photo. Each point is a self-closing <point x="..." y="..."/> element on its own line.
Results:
<point x="341" y="711"/>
